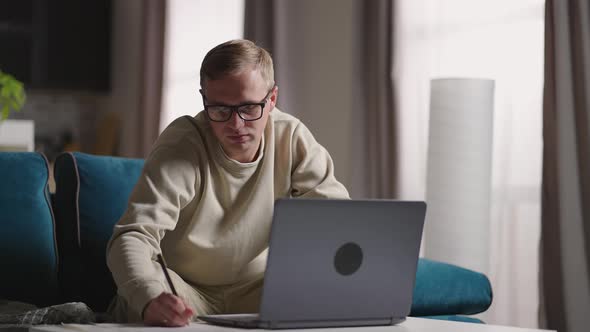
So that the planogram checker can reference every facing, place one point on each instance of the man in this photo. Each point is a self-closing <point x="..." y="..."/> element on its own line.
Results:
<point x="205" y="197"/>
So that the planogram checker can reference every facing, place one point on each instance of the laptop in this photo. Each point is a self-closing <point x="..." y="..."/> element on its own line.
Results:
<point x="336" y="263"/>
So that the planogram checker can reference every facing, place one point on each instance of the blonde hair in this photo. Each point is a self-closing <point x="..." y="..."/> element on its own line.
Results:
<point x="234" y="56"/>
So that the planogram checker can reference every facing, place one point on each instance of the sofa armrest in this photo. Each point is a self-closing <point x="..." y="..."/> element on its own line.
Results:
<point x="446" y="289"/>
<point x="28" y="253"/>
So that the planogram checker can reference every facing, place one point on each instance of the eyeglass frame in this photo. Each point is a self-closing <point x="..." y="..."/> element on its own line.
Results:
<point x="235" y="108"/>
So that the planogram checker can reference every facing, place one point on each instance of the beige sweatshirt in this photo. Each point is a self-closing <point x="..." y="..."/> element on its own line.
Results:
<point x="209" y="215"/>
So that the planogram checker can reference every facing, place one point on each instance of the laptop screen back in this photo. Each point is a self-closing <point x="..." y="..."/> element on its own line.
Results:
<point x="341" y="259"/>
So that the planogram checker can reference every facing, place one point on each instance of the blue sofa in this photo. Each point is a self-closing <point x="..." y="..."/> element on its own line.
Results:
<point x="52" y="246"/>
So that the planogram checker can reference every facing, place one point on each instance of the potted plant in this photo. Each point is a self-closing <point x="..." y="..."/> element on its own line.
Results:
<point x="12" y="95"/>
<point x="15" y="135"/>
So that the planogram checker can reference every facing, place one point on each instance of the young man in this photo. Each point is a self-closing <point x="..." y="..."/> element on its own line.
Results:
<point x="205" y="197"/>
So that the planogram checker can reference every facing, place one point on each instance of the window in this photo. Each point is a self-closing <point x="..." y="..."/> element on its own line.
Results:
<point x="501" y="40"/>
<point x="193" y="27"/>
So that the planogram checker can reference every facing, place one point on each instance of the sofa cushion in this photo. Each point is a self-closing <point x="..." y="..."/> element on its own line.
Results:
<point x="456" y="318"/>
<point x="91" y="195"/>
<point x="446" y="289"/>
<point x="27" y="235"/>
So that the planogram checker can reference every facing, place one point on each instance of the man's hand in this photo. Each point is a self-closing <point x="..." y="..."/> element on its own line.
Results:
<point x="167" y="310"/>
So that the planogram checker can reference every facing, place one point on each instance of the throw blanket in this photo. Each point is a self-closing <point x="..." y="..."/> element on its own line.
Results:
<point x="18" y="313"/>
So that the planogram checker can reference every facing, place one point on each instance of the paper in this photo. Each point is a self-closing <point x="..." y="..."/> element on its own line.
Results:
<point x="123" y="328"/>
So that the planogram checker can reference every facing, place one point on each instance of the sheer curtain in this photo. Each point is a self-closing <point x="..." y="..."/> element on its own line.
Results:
<point x="193" y="27"/>
<point x="501" y="40"/>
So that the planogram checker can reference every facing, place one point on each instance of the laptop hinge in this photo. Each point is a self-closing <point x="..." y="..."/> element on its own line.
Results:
<point x="278" y="324"/>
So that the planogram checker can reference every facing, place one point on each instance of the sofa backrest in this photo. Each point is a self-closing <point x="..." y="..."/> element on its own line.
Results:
<point x="28" y="253"/>
<point x="91" y="195"/>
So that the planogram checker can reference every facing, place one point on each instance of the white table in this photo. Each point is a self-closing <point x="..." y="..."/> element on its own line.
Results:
<point x="412" y="324"/>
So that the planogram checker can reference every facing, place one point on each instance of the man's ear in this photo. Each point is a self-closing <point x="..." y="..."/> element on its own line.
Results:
<point x="273" y="97"/>
<point x="202" y="92"/>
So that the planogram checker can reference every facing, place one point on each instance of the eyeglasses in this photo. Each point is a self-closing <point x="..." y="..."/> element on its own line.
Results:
<point x="247" y="112"/>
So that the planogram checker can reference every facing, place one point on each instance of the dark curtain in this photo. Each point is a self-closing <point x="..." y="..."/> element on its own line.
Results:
<point x="151" y="75"/>
<point x="565" y="232"/>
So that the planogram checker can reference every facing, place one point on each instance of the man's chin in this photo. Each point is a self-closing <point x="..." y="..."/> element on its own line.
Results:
<point x="238" y="146"/>
<point x="236" y="149"/>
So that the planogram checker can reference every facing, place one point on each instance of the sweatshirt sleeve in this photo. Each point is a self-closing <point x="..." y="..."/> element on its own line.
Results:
<point x="166" y="185"/>
<point x="312" y="174"/>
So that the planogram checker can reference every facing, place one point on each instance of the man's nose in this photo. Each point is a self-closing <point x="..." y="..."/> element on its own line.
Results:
<point x="235" y="121"/>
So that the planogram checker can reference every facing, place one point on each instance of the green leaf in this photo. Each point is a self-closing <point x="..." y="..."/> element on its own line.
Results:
<point x="12" y="95"/>
<point x="21" y="97"/>
<point x="4" y="93"/>
<point x="13" y="104"/>
<point x="5" y="112"/>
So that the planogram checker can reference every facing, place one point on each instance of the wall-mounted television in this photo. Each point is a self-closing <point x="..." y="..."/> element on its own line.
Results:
<point x="57" y="44"/>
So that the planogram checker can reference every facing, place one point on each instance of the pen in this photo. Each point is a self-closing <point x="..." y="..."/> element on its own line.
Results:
<point x="165" y="269"/>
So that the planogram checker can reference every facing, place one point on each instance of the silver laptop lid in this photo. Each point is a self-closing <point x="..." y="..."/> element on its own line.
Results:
<point x="341" y="259"/>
